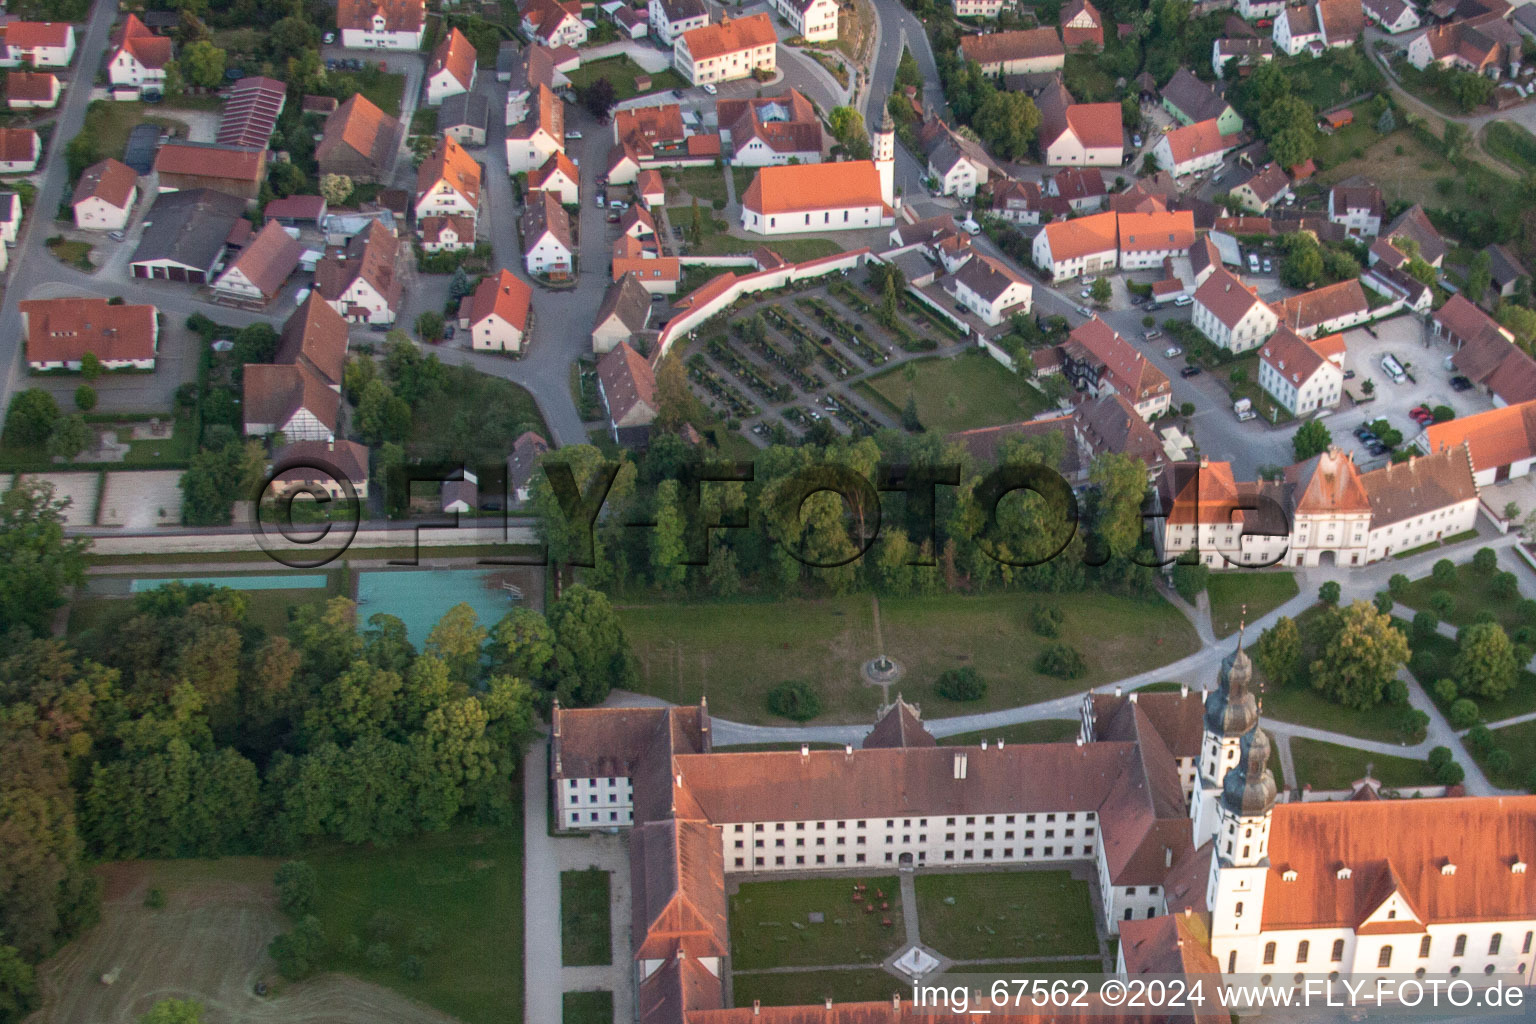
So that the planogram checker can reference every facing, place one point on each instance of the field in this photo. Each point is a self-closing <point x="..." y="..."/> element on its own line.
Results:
<point x="1261" y="592"/>
<point x="809" y="988"/>
<point x="959" y="393"/>
<point x="620" y="72"/>
<point x="1331" y="766"/>
<point x="1051" y="730"/>
<point x="208" y="943"/>
<point x="1408" y="170"/>
<point x="771" y="927"/>
<point x="587" y="1008"/>
<point x="585" y="933"/>
<point x="754" y="646"/>
<point x="998" y="915"/>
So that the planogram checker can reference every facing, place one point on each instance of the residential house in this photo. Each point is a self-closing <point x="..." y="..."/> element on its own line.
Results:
<point x="1263" y="188"/>
<point x="1100" y="362"/>
<point x="627" y="385"/>
<point x="990" y="290"/>
<point x="359" y="141"/>
<point x="534" y="67"/>
<point x="1502" y="441"/>
<point x="1341" y="22"/>
<point x="381" y="24"/>
<point x="10" y="217"/>
<point x="299" y="393"/>
<point x="305" y="468"/>
<point x="1393" y="16"/>
<point x="638" y="224"/>
<point x="1257" y="10"/>
<point x="1302" y="375"/>
<point x="38" y="44"/>
<point x="1297" y="29"/>
<point x="1024" y="202"/>
<point x="448" y="183"/>
<point x="553" y="23"/>
<point x="527" y="450"/>
<point x="1231" y="314"/>
<point x="671" y="18"/>
<point x="104" y="196"/>
<point x="548" y="247"/>
<point x="1193" y="148"/>
<point x="731" y="49"/>
<point x="138" y="57"/>
<point x="632" y="23"/>
<point x="1485" y="45"/>
<point x="446" y="233"/>
<point x="1086" y="245"/>
<point x="539" y="136"/>
<point x="465" y="118"/>
<point x="623" y="165"/>
<point x="770" y="130"/>
<point x="558" y="176"/>
<point x="959" y="164"/>
<point x="812" y="20"/>
<point x="59" y="333"/>
<point x="1148" y="239"/>
<point x="237" y="170"/>
<point x="460" y="493"/>
<point x="980" y="8"/>
<point x="185" y="235"/>
<point x="1079" y="134"/>
<point x="1360" y="208"/>
<point x="1324" y="310"/>
<point x="1204" y="259"/>
<point x="1191" y="101"/>
<point x="1397" y="285"/>
<point x="497" y="314"/>
<point x="1230" y="54"/>
<point x="650" y="189"/>
<point x="624" y="313"/>
<point x="653" y="131"/>
<point x="1016" y="52"/>
<point x="451" y="71"/>
<point x="262" y="268"/>
<point x="1410" y="233"/>
<point x="31" y="90"/>
<point x="841" y="196"/>
<point x="360" y="281"/>
<point x="20" y="149"/>
<point x="1081" y="189"/>
<point x="658" y="275"/>
<point x="1082" y="26"/>
<point x="1506" y="270"/>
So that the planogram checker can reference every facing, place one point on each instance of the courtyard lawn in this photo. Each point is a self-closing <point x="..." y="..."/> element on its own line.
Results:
<point x="1473" y="593"/>
<point x="75" y="254"/>
<point x="771" y="925"/>
<point x="1050" y="730"/>
<point x="1331" y="766"/>
<point x="1262" y="592"/>
<point x="959" y="393"/>
<point x="684" y="649"/>
<point x="706" y="184"/>
<point x="998" y="915"/>
<point x="1520" y="741"/>
<point x="585" y="938"/>
<point x="621" y="72"/>
<point x="1434" y="658"/>
<point x="466" y="885"/>
<point x="809" y="988"/>
<point x="587" y="1007"/>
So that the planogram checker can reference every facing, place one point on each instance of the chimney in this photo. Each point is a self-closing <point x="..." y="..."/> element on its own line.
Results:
<point x="848" y="749"/>
<point x="896" y="1001"/>
<point x="1133" y="696"/>
<point x="805" y="750"/>
<point x="1167" y="856"/>
<point x="1183" y="689"/>
<point x="757" y="1007"/>
<point x="828" y="1002"/>
<point x="679" y="778"/>
<point x="1118" y="691"/>
<point x="1079" y="741"/>
<point x="983" y="744"/>
<point x="999" y="743"/>
<point x="960" y="764"/>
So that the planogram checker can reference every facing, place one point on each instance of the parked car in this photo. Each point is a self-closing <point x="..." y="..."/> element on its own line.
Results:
<point x="1086" y="293"/>
<point x="1421" y="415"/>
<point x="1268" y="266"/>
<point x="1183" y="300"/>
<point x="150" y="96"/>
<point x="709" y="87"/>
<point x="613" y="218"/>
<point x="1459" y="383"/>
<point x="1136" y="139"/>
<point x="678" y="93"/>
<point x="448" y="332"/>
<point x="116" y="236"/>
<point x="618" y="204"/>
<point x="1151" y="335"/>
<point x="573" y="135"/>
<point x="328" y="38"/>
<point x="1349" y="374"/>
<point x="1377" y="448"/>
<point x="1364" y="434"/>
<point x="1172" y="351"/>
<point x="599" y="200"/>
<point x="1190" y="371"/>
<point x="1253" y="263"/>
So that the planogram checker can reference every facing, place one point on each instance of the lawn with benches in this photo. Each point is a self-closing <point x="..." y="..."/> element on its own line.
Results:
<point x="1002" y="915"/>
<point x="772" y="922"/>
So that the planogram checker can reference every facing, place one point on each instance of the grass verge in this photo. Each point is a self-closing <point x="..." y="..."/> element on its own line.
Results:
<point x="1331" y="766"/>
<point x="585" y="934"/>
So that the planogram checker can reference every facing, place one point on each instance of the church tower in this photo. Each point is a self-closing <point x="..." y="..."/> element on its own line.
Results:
<point x="1231" y="712"/>
<point x="883" y="143"/>
<point x="1240" y="861"/>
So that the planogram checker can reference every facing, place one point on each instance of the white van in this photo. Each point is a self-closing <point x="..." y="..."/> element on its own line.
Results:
<point x="1393" y="369"/>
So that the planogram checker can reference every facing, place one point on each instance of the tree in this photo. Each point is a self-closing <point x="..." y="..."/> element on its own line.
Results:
<point x="1328" y="593"/>
<point x="961" y="684"/>
<point x="1463" y="713"/>
<point x="1189" y="579"/>
<point x="1479" y="276"/>
<point x="1101" y="290"/>
<point x="1386" y="124"/>
<point x="521" y="645"/>
<point x="218" y="477"/>
<point x="382" y="415"/>
<point x="1007" y="121"/>
<point x="1303" y="264"/>
<point x="1278" y="651"/>
<point x="429" y="326"/>
<point x="69" y="437"/>
<point x="598" y="98"/>
<point x="795" y="699"/>
<point x="31" y="417"/>
<point x="39" y="561"/>
<point x="90" y="366"/>
<point x="1289" y="124"/>
<point x="591" y="651"/>
<point x="298" y="952"/>
<point x="675" y="404"/>
<point x="1311" y="438"/>
<point x="457" y="639"/>
<point x="174" y="1011"/>
<point x="85" y="398"/>
<point x="202" y="64"/>
<point x="1484" y="560"/>
<point x="1363" y="656"/>
<point x="1444" y="571"/>
<point x="909" y="417"/>
<point x="1520" y="321"/>
<point x="335" y="188"/>
<point x="1061" y="660"/>
<point x="18" y="986"/>
<point x="1425" y="625"/>
<point x="696" y="226"/>
<point x="847" y="127"/>
<point x="295" y="881"/>
<point x="1485" y="663"/>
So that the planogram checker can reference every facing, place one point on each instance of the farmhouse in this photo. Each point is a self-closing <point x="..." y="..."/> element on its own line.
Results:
<point x="59" y="333"/>
<point x="262" y="268"/>
<point x="237" y="170"/>
<point x="185" y="235"/>
<point x="1231" y="314"/>
<point x="138" y="57"/>
<point x="104" y="196"/>
<point x="359" y="141"/>
<point x="1016" y="52"/>
<point x="1101" y="362"/>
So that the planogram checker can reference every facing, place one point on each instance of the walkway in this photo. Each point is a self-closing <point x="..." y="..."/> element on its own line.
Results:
<point x="541" y="894"/>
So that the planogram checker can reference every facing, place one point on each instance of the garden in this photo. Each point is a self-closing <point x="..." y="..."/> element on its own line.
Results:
<point x="814" y="922"/>
<point x="1002" y="915"/>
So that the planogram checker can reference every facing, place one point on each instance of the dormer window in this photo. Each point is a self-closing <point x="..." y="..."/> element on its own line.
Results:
<point x="1344" y="873"/>
<point x="1288" y="876"/>
<point x="1448" y="868"/>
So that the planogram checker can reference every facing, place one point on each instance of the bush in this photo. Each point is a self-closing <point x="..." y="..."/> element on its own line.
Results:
<point x="424" y="939"/>
<point x="298" y="952"/>
<point x="1397" y="584"/>
<point x="1483" y="561"/>
<point x="411" y="968"/>
<point x="1446" y="691"/>
<point x="1384" y="602"/>
<point x="1425" y="624"/>
<point x="1328" y="593"/>
<point x="1396" y="692"/>
<point x="1046" y="619"/>
<point x="1463" y="713"/>
<point x="295" y="882"/>
<point x="1061" y="661"/>
<point x="1479" y="739"/>
<point x="382" y="925"/>
<point x="1506" y="587"/>
<point x="1190" y="580"/>
<point x="1500" y="761"/>
<point x="155" y="898"/>
<point x="352" y="947"/>
<point x="961" y="684"/>
<point x="1439" y="757"/>
<point x="378" y="954"/>
<point x="85" y="398"/>
<point x="1450" y="774"/>
<point x="1414" y="726"/>
<point x="1445" y="571"/>
<point x="1443" y="603"/>
<point x="795" y="699"/>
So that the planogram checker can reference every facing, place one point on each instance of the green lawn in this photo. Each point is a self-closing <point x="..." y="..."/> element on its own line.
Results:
<point x="1434" y="658"/>
<point x="1051" y="730"/>
<point x="466" y="885"/>
<point x="1409" y="171"/>
<point x="1520" y="741"/>
<point x="706" y="184"/>
<point x="771" y="927"/>
<point x="1473" y="593"/>
<point x="76" y="254"/>
<point x="1261" y="592"/>
<point x="1331" y="766"/>
<point x="109" y="124"/>
<point x="997" y="915"/>
<point x="1011" y="969"/>
<point x="799" y="250"/>
<point x="809" y="988"/>
<point x="716" y="241"/>
<point x="620" y="72"/>
<point x="585" y="938"/>
<point x="1341" y="145"/>
<point x="1512" y="144"/>
<point x="587" y="1007"/>
<point x="742" y="176"/>
<point x="684" y="648"/>
<point x="961" y="392"/>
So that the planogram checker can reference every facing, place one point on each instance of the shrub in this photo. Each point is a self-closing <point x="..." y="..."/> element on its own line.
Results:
<point x="1463" y="713"/>
<point x="1483" y="561"/>
<point x="1443" y="603"/>
<point x="382" y="925"/>
<point x="1328" y="593"/>
<point x="1444" y="571"/>
<point x="1061" y="661"/>
<point x="795" y="699"/>
<point x="85" y="398"/>
<point x="1397" y="584"/>
<point x="298" y="952"/>
<point x="295" y="882"/>
<point x="1500" y="761"/>
<point x="1425" y="624"/>
<point x="1384" y="602"/>
<point x="1046" y="619"/>
<point x="1439" y="756"/>
<point x="1415" y="724"/>
<point x="1446" y="691"/>
<point x="411" y="968"/>
<point x="1396" y="692"/>
<point x="1479" y="739"/>
<point x="1189" y="580"/>
<point x="1506" y="587"/>
<point x="378" y="954"/>
<point x="155" y="898"/>
<point x="1450" y="774"/>
<point x="961" y="684"/>
<point x="352" y="947"/>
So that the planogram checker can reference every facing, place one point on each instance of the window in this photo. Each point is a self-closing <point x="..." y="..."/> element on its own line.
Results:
<point x="1338" y="951"/>
<point x="1128" y="917"/>
<point x="1232" y="962"/>
<point x="1384" y="958"/>
<point x="1237" y="911"/>
<point x="1494" y="943"/>
<point x="1461" y="946"/>
<point x="1424" y="946"/>
<point x="1269" y="952"/>
<point x="1303" y="948"/>
<point x="1525" y="947"/>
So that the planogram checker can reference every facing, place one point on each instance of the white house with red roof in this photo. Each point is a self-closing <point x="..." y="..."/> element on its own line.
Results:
<point x="59" y="333"/>
<point x="1193" y="148"/>
<point x="730" y="49"/>
<point x="843" y="196"/>
<point x="104" y="196"/>
<point x="539" y="135"/>
<point x="1102" y="362"/>
<point x="1231" y="314"/>
<point x="140" y="57"/>
<point x="382" y="24"/>
<point x="1300" y="374"/>
<point x="559" y="176"/>
<point x="553" y="23"/>
<point x="1084" y="245"/>
<point x="990" y="290"/>
<point x="497" y="314"/>
<point x="42" y="44"/>
<point x="811" y="20"/>
<point x="451" y="71"/>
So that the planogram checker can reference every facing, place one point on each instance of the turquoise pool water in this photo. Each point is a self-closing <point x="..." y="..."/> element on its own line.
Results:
<point x="419" y="597"/>
<point x="289" y="581"/>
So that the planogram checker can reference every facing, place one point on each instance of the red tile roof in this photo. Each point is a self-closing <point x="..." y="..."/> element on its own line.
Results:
<point x="1309" y="309"/>
<point x="399" y="15"/>
<point x="63" y="330"/>
<point x="370" y="255"/>
<point x="211" y="161"/>
<point x="269" y="259"/>
<point x="795" y="187"/>
<point x="19" y="144"/>
<point x="1025" y="44"/>
<point x="273" y="392"/>
<point x="111" y="181"/>
<point x="457" y="56"/>
<point x="504" y="295"/>
<point x="1083" y="236"/>
<point x="31" y="86"/>
<point x="315" y="335"/>
<point x="660" y="125"/>
<point x="627" y="380"/>
<point x="251" y="109"/>
<point x="450" y="163"/>
<point x="148" y="49"/>
<point x="1498" y="437"/>
<point x="1131" y="373"/>
<point x="1227" y="297"/>
<point x="730" y="35"/>
<point x="361" y="127"/>
<point x="1153" y="232"/>
<point x="32" y="35"/>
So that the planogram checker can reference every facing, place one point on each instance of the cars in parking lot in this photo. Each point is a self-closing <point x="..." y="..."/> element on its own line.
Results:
<point x="1460" y="383"/>
<point x="1268" y="266"/>
<point x="1086" y="293"/>
<point x="1364" y="435"/>
<point x="1421" y="415"/>
<point x="573" y="135"/>
<point x="1377" y="449"/>
<point x="1253" y="263"/>
<point x="1190" y="371"/>
<point x="709" y="87"/>
<point x="1183" y="300"/>
<point x="1151" y="335"/>
<point x="1173" y="350"/>
<point x="116" y="236"/>
<point x="1136" y="140"/>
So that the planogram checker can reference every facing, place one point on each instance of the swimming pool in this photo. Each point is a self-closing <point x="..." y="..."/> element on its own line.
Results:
<point x="282" y="581"/>
<point x="419" y="597"/>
